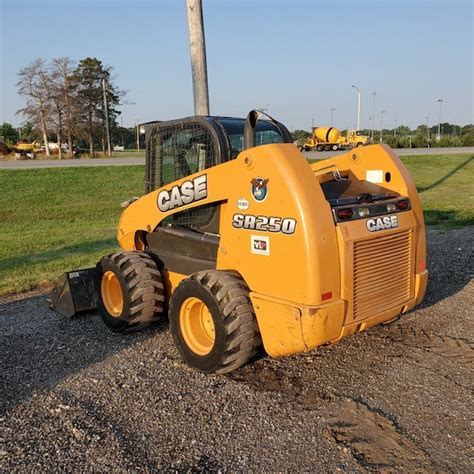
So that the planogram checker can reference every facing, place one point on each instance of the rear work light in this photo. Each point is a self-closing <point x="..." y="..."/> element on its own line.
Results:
<point x="345" y="214"/>
<point x="403" y="204"/>
<point x="391" y="207"/>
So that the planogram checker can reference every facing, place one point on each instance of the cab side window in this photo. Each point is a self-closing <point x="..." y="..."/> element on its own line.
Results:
<point x="177" y="152"/>
<point x="180" y="151"/>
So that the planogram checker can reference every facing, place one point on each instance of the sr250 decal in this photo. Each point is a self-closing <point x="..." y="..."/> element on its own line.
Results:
<point x="285" y="225"/>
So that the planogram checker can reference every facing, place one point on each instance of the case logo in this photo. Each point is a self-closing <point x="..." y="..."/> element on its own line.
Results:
<point x="382" y="223"/>
<point x="259" y="189"/>
<point x="180" y="195"/>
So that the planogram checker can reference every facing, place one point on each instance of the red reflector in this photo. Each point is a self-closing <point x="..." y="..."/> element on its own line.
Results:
<point x="345" y="213"/>
<point x="422" y="266"/>
<point x="326" y="296"/>
<point x="403" y="204"/>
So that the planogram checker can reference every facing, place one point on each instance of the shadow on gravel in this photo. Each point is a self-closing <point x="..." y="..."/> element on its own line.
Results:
<point x="39" y="348"/>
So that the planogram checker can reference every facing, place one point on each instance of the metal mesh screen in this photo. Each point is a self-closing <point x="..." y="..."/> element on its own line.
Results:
<point x="178" y="151"/>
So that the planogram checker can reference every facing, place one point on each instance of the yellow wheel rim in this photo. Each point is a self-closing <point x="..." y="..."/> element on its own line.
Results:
<point x="111" y="292"/>
<point x="197" y="326"/>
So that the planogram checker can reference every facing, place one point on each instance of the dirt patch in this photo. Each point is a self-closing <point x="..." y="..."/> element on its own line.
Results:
<point x="456" y="348"/>
<point x="374" y="438"/>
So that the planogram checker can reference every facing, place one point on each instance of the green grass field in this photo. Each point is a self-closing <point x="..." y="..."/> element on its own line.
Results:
<point x="54" y="220"/>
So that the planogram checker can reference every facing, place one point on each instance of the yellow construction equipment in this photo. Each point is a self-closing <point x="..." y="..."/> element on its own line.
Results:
<point x="330" y="139"/>
<point x="243" y="243"/>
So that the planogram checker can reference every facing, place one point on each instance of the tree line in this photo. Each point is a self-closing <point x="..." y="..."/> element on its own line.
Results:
<point x="420" y="137"/>
<point x="68" y="100"/>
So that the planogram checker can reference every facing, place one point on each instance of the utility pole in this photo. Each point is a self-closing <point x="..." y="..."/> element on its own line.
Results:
<point x="137" y="126"/>
<point x="197" y="48"/>
<point x="428" y="128"/>
<point x="439" y="119"/>
<point x="358" y="106"/>
<point x="331" y="110"/>
<point x="381" y="124"/>
<point x="106" y="113"/>
<point x="60" y="128"/>
<point x="373" y="113"/>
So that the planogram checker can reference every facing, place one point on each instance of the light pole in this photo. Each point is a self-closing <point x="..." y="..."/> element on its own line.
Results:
<point x="439" y="119"/>
<point x="381" y="124"/>
<point x="428" y="128"/>
<point x="331" y="110"/>
<point x="358" y="106"/>
<point x="373" y="112"/>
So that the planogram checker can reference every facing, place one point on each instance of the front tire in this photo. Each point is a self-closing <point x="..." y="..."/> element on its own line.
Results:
<point x="130" y="291"/>
<point x="213" y="323"/>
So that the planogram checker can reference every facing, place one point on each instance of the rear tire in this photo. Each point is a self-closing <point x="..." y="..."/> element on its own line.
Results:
<point x="130" y="290"/>
<point x="226" y="342"/>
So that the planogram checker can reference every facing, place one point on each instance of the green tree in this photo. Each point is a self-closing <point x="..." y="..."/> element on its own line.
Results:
<point x="300" y="135"/>
<point x="8" y="133"/>
<point x="88" y="78"/>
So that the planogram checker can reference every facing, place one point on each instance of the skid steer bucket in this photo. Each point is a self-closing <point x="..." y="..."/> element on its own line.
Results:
<point x="74" y="292"/>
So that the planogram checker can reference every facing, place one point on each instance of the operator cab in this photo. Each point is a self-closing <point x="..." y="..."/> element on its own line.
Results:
<point x="179" y="148"/>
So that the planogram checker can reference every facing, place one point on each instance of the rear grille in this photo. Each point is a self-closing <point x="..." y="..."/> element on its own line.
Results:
<point x="382" y="274"/>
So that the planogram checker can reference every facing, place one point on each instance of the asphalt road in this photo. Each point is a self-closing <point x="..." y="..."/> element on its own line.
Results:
<point x="75" y="397"/>
<point x="26" y="164"/>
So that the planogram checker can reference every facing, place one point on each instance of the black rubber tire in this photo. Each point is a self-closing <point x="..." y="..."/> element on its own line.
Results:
<point x="320" y="148"/>
<point x="142" y="290"/>
<point x="237" y="337"/>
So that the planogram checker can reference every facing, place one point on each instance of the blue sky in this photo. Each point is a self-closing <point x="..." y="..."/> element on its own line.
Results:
<point x="299" y="57"/>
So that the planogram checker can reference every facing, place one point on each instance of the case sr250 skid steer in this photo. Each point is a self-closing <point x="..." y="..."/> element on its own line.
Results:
<point x="244" y="243"/>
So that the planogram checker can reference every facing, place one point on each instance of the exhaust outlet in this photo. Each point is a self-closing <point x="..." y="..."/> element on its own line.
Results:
<point x="249" y="130"/>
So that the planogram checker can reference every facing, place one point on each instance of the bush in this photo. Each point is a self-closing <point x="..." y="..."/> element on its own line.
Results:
<point x="420" y="141"/>
<point x="445" y="142"/>
<point x="404" y="142"/>
<point x="468" y="139"/>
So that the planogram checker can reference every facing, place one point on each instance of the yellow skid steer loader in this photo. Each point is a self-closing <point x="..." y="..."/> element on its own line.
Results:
<point x="243" y="243"/>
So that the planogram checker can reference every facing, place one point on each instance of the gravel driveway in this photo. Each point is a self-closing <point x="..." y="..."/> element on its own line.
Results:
<point x="76" y="397"/>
